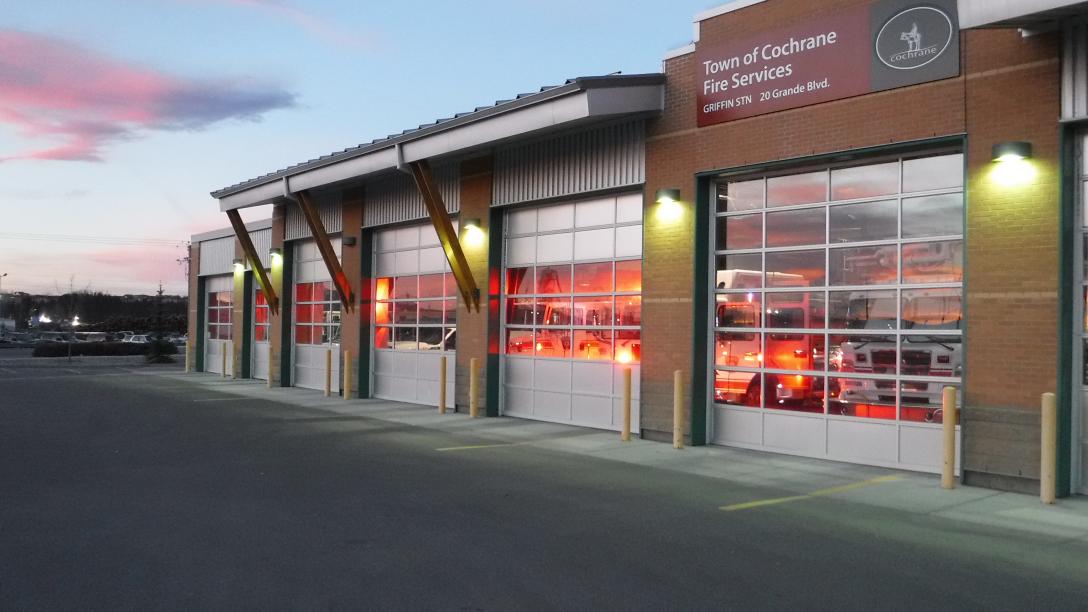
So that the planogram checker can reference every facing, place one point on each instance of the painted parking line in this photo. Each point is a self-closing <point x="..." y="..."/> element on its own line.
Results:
<point x="818" y="493"/>
<point x="478" y="446"/>
<point x="223" y="399"/>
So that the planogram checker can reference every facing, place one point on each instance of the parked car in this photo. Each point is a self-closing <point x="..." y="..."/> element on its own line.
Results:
<point x="134" y="339"/>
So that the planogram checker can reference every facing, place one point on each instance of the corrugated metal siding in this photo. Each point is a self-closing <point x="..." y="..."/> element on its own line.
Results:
<point x="394" y="198"/>
<point x="592" y="160"/>
<point x="328" y="207"/>
<point x="217" y="256"/>
<point x="262" y="242"/>
<point x="1075" y="70"/>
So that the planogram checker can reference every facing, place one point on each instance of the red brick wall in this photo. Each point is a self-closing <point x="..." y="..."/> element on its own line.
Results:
<point x="275" y="334"/>
<point x="472" y="326"/>
<point x="352" y="323"/>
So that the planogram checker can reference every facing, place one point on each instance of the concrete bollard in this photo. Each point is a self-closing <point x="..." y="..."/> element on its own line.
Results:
<point x="328" y="372"/>
<point x="625" y="433"/>
<point x="188" y="359"/>
<point x="347" y="375"/>
<point x="223" y="369"/>
<point x="442" y="385"/>
<point x="270" y="368"/>
<point x="474" y="387"/>
<point x="677" y="409"/>
<point x="948" y="435"/>
<point x="1048" y="464"/>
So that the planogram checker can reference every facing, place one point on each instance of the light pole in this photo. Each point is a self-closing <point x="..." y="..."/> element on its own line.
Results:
<point x="2" y="328"/>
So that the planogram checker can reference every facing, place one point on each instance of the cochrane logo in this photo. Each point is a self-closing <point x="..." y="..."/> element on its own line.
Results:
<point x="914" y="37"/>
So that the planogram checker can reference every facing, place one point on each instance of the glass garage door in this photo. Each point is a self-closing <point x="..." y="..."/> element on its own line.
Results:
<point x="218" y="317"/>
<point x="316" y="328"/>
<point x="573" y="310"/>
<point x="415" y="316"/>
<point x="837" y="309"/>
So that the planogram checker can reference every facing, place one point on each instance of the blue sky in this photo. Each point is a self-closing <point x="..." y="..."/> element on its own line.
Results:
<point x="118" y="117"/>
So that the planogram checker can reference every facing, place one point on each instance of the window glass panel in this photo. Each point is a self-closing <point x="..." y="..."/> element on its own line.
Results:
<point x="552" y="343"/>
<point x="260" y="315"/>
<point x="593" y="344"/>
<point x="260" y="334"/>
<point x="737" y="309"/>
<point x="593" y="312"/>
<point x="449" y="284"/>
<point x="740" y="232"/>
<point x="741" y="271"/>
<point x="865" y="221"/>
<point x="932" y="309"/>
<point x="404" y="313"/>
<point x="865" y="181"/>
<point x="926" y="173"/>
<point x="406" y="287"/>
<point x="921" y="401"/>
<point x="794" y="352"/>
<point x="738" y="349"/>
<point x="383" y="313"/>
<point x="862" y="397"/>
<point x="226" y="298"/>
<point x="450" y="308"/>
<point x="931" y="356"/>
<point x="520" y="311"/>
<point x="383" y="289"/>
<point x="430" y="338"/>
<point x="795" y="392"/>
<point x="430" y="312"/>
<point x="737" y="388"/>
<point x="450" y="339"/>
<point x="628" y="346"/>
<point x="213" y="315"/>
<point x="933" y="262"/>
<point x="796" y="227"/>
<point x="431" y="285"/>
<point x="875" y="265"/>
<point x="797" y="189"/>
<point x="553" y="311"/>
<point x="304" y="314"/>
<point x="328" y="289"/>
<point x="593" y="278"/>
<point x="742" y="195"/>
<point x="862" y="310"/>
<point x="519" y="280"/>
<point x="226" y="332"/>
<point x="936" y="215"/>
<point x="629" y="275"/>
<point x="553" y="279"/>
<point x="259" y="298"/>
<point x="629" y="310"/>
<point x="519" y="341"/>
<point x="795" y="310"/>
<point x="861" y="354"/>
<point x="304" y="292"/>
<point x="795" y="269"/>
<point x="404" y="338"/>
<point x="303" y="335"/>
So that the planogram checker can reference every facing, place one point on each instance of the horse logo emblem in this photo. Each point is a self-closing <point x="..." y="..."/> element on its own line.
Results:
<point x="912" y="38"/>
<point x="927" y="32"/>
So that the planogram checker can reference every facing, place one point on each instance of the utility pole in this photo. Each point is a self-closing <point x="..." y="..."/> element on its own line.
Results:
<point x="3" y="330"/>
<point x="158" y="312"/>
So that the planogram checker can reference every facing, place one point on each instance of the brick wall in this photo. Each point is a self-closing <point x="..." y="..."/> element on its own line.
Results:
<point x="352" y="324"/>
<point x="276" y="318"/>
<point x="472" y="328"/>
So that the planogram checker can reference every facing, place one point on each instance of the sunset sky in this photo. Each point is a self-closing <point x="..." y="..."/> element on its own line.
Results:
<point x="117" y="118"/>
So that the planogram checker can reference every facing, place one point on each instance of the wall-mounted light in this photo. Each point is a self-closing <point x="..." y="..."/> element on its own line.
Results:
<point x="239" y="265"/>
<point x="1012" y="163"/>
<point x="276" y="253"/>
<point x="1012" y="150"/>
<point x="669" y="208"/>
<point x="348" y="241"/>
<point x="472" y="233"/>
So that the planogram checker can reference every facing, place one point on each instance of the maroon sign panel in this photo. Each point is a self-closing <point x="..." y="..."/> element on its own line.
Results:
<point x="870" y="48"/>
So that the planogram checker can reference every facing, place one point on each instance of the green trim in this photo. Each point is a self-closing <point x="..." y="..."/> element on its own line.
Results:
<point x="287" y="313"/>
<point x="1067" y="183"/>
<point x="494" y="297"/>
<point x="247" y="325"/>
<point x="700" y="322"/>
<point x="201" y="312"/>
<point x="366" y="310"/>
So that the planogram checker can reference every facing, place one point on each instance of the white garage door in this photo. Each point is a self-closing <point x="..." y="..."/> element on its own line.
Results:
<point x="572" y="310"/>
<point x="218" y="317"/>
<point x="259" y="358"/>
<point x="317" y="318"/>
<point x="415" y="316"/>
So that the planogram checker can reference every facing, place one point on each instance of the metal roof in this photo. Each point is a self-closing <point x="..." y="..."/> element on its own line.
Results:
<point x="480" y="112"/>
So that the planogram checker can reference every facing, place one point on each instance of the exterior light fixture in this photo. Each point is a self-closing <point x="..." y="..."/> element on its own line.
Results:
<point x="276" y="253"/>
<point x="669" y="208"/>
<point x="348" y="241"/>
<point x="473" y="234"/>
<point x="238" y="265"/>
<point x="1012" y="150"/>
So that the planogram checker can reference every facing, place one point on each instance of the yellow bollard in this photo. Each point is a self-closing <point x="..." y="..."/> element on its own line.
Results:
<point x="223" y="370"/>
<point x="328" y="372"/>
<point x="1048" y="464"/>
<point x="474" y="387"/>
<point x="677" y="409"/>
<point x="948" y="430"/>
<point x="347" y="375"/>
<point x="270" y="368"/>
<point x="188" y="359"/>
<point x="625" y="433"/>
<point x="442" y="385"/>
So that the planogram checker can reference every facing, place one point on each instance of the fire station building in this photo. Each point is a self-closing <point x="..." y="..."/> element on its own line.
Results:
<point x="823" y="214"/>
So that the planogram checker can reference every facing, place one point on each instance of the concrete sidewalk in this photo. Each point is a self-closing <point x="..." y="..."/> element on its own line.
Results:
<point x="794" y="479"/>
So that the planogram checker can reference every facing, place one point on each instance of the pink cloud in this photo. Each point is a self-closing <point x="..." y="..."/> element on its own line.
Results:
<point x="316" y="26"/>
<point x="79" y="100"/>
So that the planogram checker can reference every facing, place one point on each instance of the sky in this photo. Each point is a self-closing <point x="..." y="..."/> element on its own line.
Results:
<point x="118" y="117"/>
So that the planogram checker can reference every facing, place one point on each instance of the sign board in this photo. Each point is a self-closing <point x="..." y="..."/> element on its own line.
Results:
<point x="889" y="44"/>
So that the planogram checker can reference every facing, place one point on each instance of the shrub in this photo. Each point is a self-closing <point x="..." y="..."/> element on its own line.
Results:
<point x="95" y="349"/>
<point x="160" y="351"/>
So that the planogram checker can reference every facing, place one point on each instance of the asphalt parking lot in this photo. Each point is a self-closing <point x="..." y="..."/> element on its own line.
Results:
<point x="131" y="488"/>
